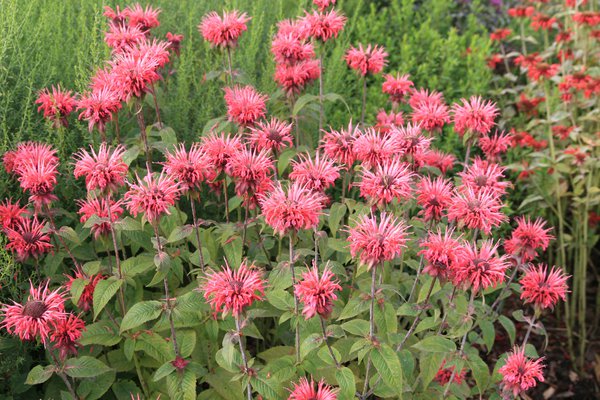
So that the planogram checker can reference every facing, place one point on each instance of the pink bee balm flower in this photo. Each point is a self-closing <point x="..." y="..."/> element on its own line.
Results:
<point x="386" y="182"/>
<point x="423" y="96"/>
<point x="317" y="292"/>
<point x="34" y="318"/>
<point x="296" y="28"/>
<point x="100" y="208"/>
<point x="397" y="87"/>
<point x="305" y="390"/>
<point x="438" y="159"/>
<point x="233" y="290"/>
<point x="484" y="175"/>
<point x="223" y="31"/>
<point x="445" y="373"/>
<point x="494" y="145"/>
<point x="38" y="177"/>
<point x="189" y="168"/>
<point x="434" y="195"/>
<point x="271" y="136"/>
<point x="145" y="19"/>
<point x="10" y="214"/>
<point x="294" y="78"/>
<point x="528" y="238"/>
<point x="431" y="115"/>
<point x="65" y="334"/>
<point x="440" y="252"/>
<point x="219" y="149"/>
<point x="323" y="26"/>
<point x="289" y="49"/>
<point x="244" y="104"/>
<point x="121" y="37"/>
<point x="136" y="70"/>
<point x="476" y="210"/>
<point x="475" y="115"/>
<point x="520" y="373"/>
<point x="316" y="174"/>
<point x="411" y="140"/>
<point x="374" y="242"/>
<point x="373" y="149"/>
<point x="544" y="288"/>
<point x="105" y="78"/>
<point x="339" y="145"/>
<point x="174" y="41"/>
<point x="252" y="172"/>
<point x="56" y="105"/>
<point x="322" y="5"/>
<point x="386" y="122"/>
<point x="115" y="16"/>
<point x="86" y="299"/>
<point x="28" y="238"/>
<point x="479" y="269"/>
<point x="98" y="107"/>
<point x="366" y="61"/>
<point x="155" y="50"/>
<point x="103" y="169"/>
<point x="291" y="210"/>
<point x="152" y="196"/>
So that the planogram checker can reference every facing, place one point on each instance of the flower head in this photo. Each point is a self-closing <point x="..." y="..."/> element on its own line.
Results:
<point x="484" y="175"/>
<point x="370" y="60"/>
<point x="445" y="373"/>
<point x="137" y="69"/>
<point x="420" y="96"/>
<point x="475" y="115"/>
<point x="86" y="299"/>
<point x="233" y="290"/>
<point x="34" y="318"/>
<point x="98" y="107"/>
<point x="101" y="209"/>
<point x="294" y="78"/>
<point x="153" y="196"/>
<point x="223" y="31"/>
<point x="479" y="268"/>
<point x="374" y="242"/>
<point x="252" y="173"/>
<point x="316" y="174"/>
<point x="500" y="34"/>
<point x="476" y="210"/>
<point x="56" y="104"/>
<point x="323" y="26"/>
<point x="411" y="141"/>
<point x="441" y="253"/>
<point x="189" y="168"/>
<point x="528" y="238"/>
<point x="273" y="135"/>
<point x="438" y="159"/>
<point x="434" y="195"/>
<point x="339" y="145"/>
<point x="174" y="41"/>
<point x="317" y="292"/>
<point x="397" y="87"/>
<point x="121" y="37"/>
<point x="28" y="238"/>
<point x="244" y="104"/>
<point x="386" y="182"/>
<point x="305" y="390"/>
<point x="103" y="169"/>
<point x="145" y="19"/>
<point x="494" y="145"/>
<point x="219" y="149"/>
<point x="543" y="287"/>
<point x="372" y="148"/>
<point x="65" y="334"/>
<point x="520" y="373"/>
<point x="39" y="179"/>
<point x="290" y="49"/>
<point x="386" y="122"/>
<point x="430" y="115"/>
<point x="322" y="5"/>
<point x="291" y="210"/>
<point x="10" y="214"/>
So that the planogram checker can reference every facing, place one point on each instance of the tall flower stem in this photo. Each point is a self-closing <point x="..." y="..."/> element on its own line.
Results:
<point x="245" y="229"/>
<point x="321" y="84"/>
<point x="316" y="233"/>
<point x="167" y="295"/>
<point x="528" y="333"/>
<point x="296" y="307"/>
<point x="197" y="230"/>
<point x="156" y="108"/>
<point x="505" y="288"/>
<point x="463" y="342"/>
<point x="226" y="196"/>
<point x="113" y="234"/>
<point x="244" y="359"/>
<point x="59" y="238"/>
<point x="522" y="27"/>
<point x="117" y="127"/>
<point x="364" y="102"/>
<point x="371" y="326"/>
<point x="142" y="124"/>
<point x="450" y="303"/>
<point x="59" y="371"/>
<point x="419" y="315"/>
<point x="138" y="370"/>
<point x="504" y="58"/>
<point x="414" y="286"/>
<point x="229" y="65"/>
<point x="326" y="339"/>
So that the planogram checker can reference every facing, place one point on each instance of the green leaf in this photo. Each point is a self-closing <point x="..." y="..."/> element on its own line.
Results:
<point x="77" y="287"/>
<point x="436" y="344"/>
<point x="355" y="306"/>
<point x="312" y="342"/>
<point x="284" y="160"/>
<point x="69" y="234"/>
<point x="388" y="365"/>
<point x="85" y="367"/>
<point x="163" y="371"/>
<point x="346" y="382"/>
<point x="280" y="299"/>
<point x="141" y="313"/>
<point x="488" y="333"/>
<point x="266" y="387"/>
<point x="104" y="291"/>
<point x="233" y="251"/>
<point x="358" y="327"/>
<point x="101" y="333"/>
<point x="480" y="372"/>
<point x="39" y="374"/>
<point x="137" y="265"/>
<point x="509" y="326"/>
<point x="180" y="233"/>
<point x="430" y="364"/>
<point x="155" y="346"/>
<point x="302" y="102"/>
<point x="336" y="213"/>
<point x="95" y="388"/>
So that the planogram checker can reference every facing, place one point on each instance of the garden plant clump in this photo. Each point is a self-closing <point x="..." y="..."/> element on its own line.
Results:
<point x="277" y="255"/>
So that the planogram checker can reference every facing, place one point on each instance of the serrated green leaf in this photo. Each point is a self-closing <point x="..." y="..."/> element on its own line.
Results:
<point x="77" y="287"/>
<point x="436" y="344"/>
<point x="358" y="327"/>
<point x="346" y="382"/>
<point x="141" y="313"/>
<point x="155" y="346"/>
<point x="104" y="291"/>
<point x="267" y="388"/>
<point x="180" y="233"/>
<point x="355" y="306"/>
<point x="101" y="333"/>
<point x="509" y="326"/>
<point x="85" y="367"/>
<point x="480" y="372"/>
<point x="280" y="299"/>
<point x="429" y="364"/>
<point x="336" y="213"/>
<point x="488" y="333"/>
<point x="39" y="374"/>
<point x="163" y="371"/>
<point x="302" y="102"/>
<point x="386" y="362"/>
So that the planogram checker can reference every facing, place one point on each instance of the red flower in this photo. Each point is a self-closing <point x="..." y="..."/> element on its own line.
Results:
<point x="233" y="290"/>
<point x="411" y="141"/>
<point x="11" y="214"/>
<point x="56" y="105"/>
<point x="296" y="28"/>
<point x="294" y="78"/>
<point x="223" y="31"/>
<point x="271" y="136"/>
<point x="529" y="106"/>
<point x="370" y="60"/>
<point x="542" y="21"/>
<point x="494" y="145"/>
<point x="219" y="149"/>
<point x="65" y="334"/>
<point x="244" y="104"/>
<point x="589" y="18"/>
<point x="527" y="238"/>
<point x="387" y="181"/>
<point x="373" y="149"/>
<point x="438" y="159"/>
<point x="37" y="175"/>
<point x="103" y="170"/>
<point x="440" y="252"/>
<point x="291" y="210"/>
<point x="519" y="373"/>
<point x="500" y="34"/>
<point x="86" y="299"/>
<point x="494" y="60"/>
<point x="579" y="154"/>
<point x="431" y="115"/>
<point x="250" y="169"/>
<point x="316" y="174"/>
<point x="145" y="19"/>
<point x="323" y="4"/>
<point x="156" y="50"/>
<point x="386" y="122"/>
<point x="484" y="175"/>
<point x="99" y="208"/>
<point x="563" y="132"/>
<point x="28" y="238"/>
<point x="137" y="69"/>
<point x="339" y="145"/>
<point x="397" y="87"/>
<point x="116" y="16"/>
<point x="563" y="36"/>
<point x="544" y="288"/>
<point x="542" y="70"/>
<point x="174" y="42"/>
<point x="479" y="269"/>
<point x="152" y="196"/>
<point x="423" y="96"/>
<point x="374" y="242"/>
<point x="521" y="12"/>
<point x="105" y="78"/>
<point x="475" y="115"/>
<point x="445" y="373"/>
<point x="34" y="318"/>
<point x="290" y="49"/>
<point x="317" y="292"/>
<point x="434" y="195"/>
<point x="526" y="61"/>
<point x="98" y="107"/>
<point x="122" y="37"/>
<point x="476" y="210"/>
<point x="189" y="168"/>
<point x="323" y="26"/>
<point x="305" y="390"/>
